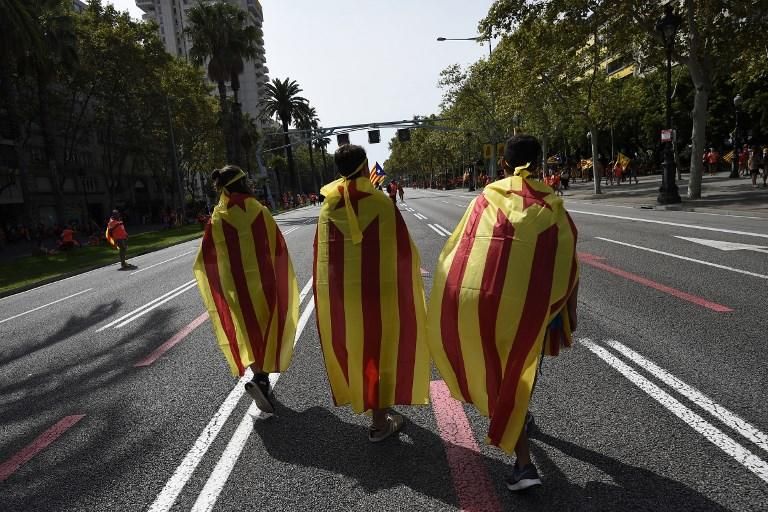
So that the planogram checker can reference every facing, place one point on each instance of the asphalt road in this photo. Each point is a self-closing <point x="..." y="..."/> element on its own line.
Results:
<point x="113" y="395"/>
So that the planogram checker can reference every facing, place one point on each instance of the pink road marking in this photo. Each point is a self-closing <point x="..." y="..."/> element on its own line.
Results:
<point x="470" y="477"/>
<point x="593" y="261"/>
<point x="23" y="456"/>
<point x="165" y="347"/>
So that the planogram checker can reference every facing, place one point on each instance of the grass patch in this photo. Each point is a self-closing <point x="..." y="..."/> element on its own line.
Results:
<point x="25" y="272"/>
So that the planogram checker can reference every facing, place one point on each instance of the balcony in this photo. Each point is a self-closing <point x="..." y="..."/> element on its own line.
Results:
<point x="145" y="5"/>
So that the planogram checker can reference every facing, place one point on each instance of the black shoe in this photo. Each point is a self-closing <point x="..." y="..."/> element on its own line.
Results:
<point x="530" y="423"/>
<point x="258" y="388"/>
<point x="523" y="478"/>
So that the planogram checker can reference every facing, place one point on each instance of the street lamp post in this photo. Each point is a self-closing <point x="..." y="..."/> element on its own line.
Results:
<point x="667" y="27"/>
<point x="735" y="161"/>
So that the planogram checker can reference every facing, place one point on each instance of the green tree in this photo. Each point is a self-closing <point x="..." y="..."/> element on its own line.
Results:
<point x="282" y="100"/>
<point x="308" y="123"/>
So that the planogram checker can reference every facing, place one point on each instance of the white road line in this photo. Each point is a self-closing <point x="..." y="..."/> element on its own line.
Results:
<point x="460" y="205"/>
<point x="433" y="228"/>
<point x="180" y="477"/>
<point x="305" y="291"/>
<point x="676" y="224"/>
<point x="290" y="230"/>
<point x="420" y="216"/>
<point x="441" y="228"/>
<point x="695" y="396"/>
<point x="45" y="305"/>
<point x="410" y="210"/>
<point x="183" y="473"/>
<point x="686" y="258"/>
<point x="166" y="261"/>
<point x="714" y="435"/>
<point x="729" y="215"/>
<point x="113" y="322"/>
<point x="446" y="202"/>
<point x="218" y="479"/>
<point x="147" y="310"/>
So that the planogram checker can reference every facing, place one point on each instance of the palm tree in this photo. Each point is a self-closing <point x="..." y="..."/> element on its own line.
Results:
<point x="222" y="37"/>
<point x="308" y="122"/>
<point x="281" y="99"/>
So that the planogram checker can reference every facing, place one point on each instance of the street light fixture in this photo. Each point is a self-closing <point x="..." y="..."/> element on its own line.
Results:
<point x="737" y="101"/>
<point x="667" y="27"/>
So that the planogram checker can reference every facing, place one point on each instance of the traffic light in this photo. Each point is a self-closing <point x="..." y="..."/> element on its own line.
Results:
<point x="374" y="137"/>
<point x="404" y="134"/>
<point x="342" y="138"/>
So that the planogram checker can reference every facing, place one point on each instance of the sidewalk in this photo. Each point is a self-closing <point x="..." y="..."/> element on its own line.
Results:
<point x="718" y="193"/>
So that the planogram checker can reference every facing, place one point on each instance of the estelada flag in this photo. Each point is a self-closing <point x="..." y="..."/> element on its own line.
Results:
<point x="371" y="312"/>
<point x="246" y="279"/>
<point x="585" y="164"/>
<point x="623" y="161"/>
<point x="498" y="302"/>
<point x="377" y="174"/>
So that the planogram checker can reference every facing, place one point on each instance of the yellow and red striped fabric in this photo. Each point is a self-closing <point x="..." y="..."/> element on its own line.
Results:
<point x="502" y="278"/>
<point x="248" y="285"/>
<point x="371" y="312"/>
<point x="111" y="241"/>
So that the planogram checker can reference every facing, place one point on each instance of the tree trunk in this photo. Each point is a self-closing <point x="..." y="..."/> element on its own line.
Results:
<point x="8" y="90"/>
<point x="49" y="139"/>
<point x="324" y="176"/>
<point x="224" y="119"/>
<point x="596" y="166"/>
<point x="295" y="185"/>
<point x="236" y="122"/>
<point x="698" y="135"/>
<point x="544" y="150"/>
<point x="312" y="166"/>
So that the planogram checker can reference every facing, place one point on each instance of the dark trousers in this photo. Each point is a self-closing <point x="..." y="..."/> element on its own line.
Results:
<point x="122" y="246"/>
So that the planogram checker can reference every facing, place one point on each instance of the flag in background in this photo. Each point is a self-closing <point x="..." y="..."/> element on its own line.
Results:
<point x="248" y="285"/>
<point x="371" y="313"/>
<point x="377" y="174"/>
<point x="623" y="161"/>
<point x="517" y="244"/>
<point x="728" y="157"/>
<point x="585" y="164"/>
<point x="110" y="240"/>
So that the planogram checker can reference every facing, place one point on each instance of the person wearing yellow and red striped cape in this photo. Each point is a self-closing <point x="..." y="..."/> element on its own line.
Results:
<point x="504" y="293"/>
<point x="369" y="295"/>
<point x="246" y="279"/>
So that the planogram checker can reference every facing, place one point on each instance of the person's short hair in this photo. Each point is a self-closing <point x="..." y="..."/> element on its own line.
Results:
<point x="221" y="177"/>
<point x="348" y="159"/>
<point x="522" y="149"/>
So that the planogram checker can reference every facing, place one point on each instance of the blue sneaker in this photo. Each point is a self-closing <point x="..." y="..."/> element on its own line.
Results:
<point x="523" y="478"/>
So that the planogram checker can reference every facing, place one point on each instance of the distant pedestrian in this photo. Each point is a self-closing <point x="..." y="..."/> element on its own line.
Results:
<point x="765" y="166"/>
<point x="400" y="191"/>
<point x="117" y="236"/>
<point x="392" y="191"/>
<point x="755" y="163"/>
<point x="713" y="160"/>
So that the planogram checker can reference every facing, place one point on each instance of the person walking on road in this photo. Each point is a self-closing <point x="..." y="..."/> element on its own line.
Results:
<point x="371" y="312"/>
<point x="400" y="191"/>
<point x="117" y="237"/>
<point x="392" y="191"/>
<point x="755" y="163"/>
<point x="246" y="279"/>
<point x="504" y="295"/>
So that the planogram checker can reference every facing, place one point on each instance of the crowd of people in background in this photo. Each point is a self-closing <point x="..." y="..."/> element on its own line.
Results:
<point x="752" y="162"/>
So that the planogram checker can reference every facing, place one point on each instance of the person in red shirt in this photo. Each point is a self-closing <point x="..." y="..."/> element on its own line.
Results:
<point x="68" y="240"/>
<point x="392" y="190"/>
<point x="117" y="232"/>
<point x="713" y="158"/>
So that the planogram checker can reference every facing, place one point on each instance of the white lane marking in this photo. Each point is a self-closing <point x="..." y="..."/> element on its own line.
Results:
<point x="290" y="230"/>
<point x="218" y="479"/>
<point x="147" y="310"/>
<point x="95" y="270"/>
<point x="165" y="261"/>
<point x="695" y="396"/>
<point x="446" y="202"/>
<point x="180" y="477"/>
<point x="410" y="210"/>
<point x="420" y="216"/>
<point x="141" y="308"/>
<point x="676" y="224"/>
<point x="45" y="305"/>
<point x="686" y="258"/>
<point x="183" y="472"/>
<point x="305" y="291"/>
<point x="728" y="215"/>
<point x="460" y="205"/>
<point x="433" y="228"/>
<point x="441" y="228"/>
<point x="714" y="435"/>
<point x="725" y="246"/>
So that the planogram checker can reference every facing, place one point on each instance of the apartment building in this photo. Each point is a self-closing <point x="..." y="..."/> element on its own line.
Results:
<point x="171" y="18"/>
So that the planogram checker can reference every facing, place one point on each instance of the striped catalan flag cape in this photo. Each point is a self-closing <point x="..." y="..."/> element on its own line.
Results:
<point x="246" y="279"/>
<point x="371" y="311"/>
<point x="498" y="302"/>
<point x="111" y="241"/>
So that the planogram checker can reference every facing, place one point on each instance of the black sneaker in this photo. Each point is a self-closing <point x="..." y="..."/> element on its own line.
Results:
<point x="523" y="478"/>
<point x="530" y="423"/>
<point x="258" y="388"/>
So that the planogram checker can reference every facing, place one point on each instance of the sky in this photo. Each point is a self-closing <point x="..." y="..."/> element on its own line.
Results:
<point x="366" y="61"/>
